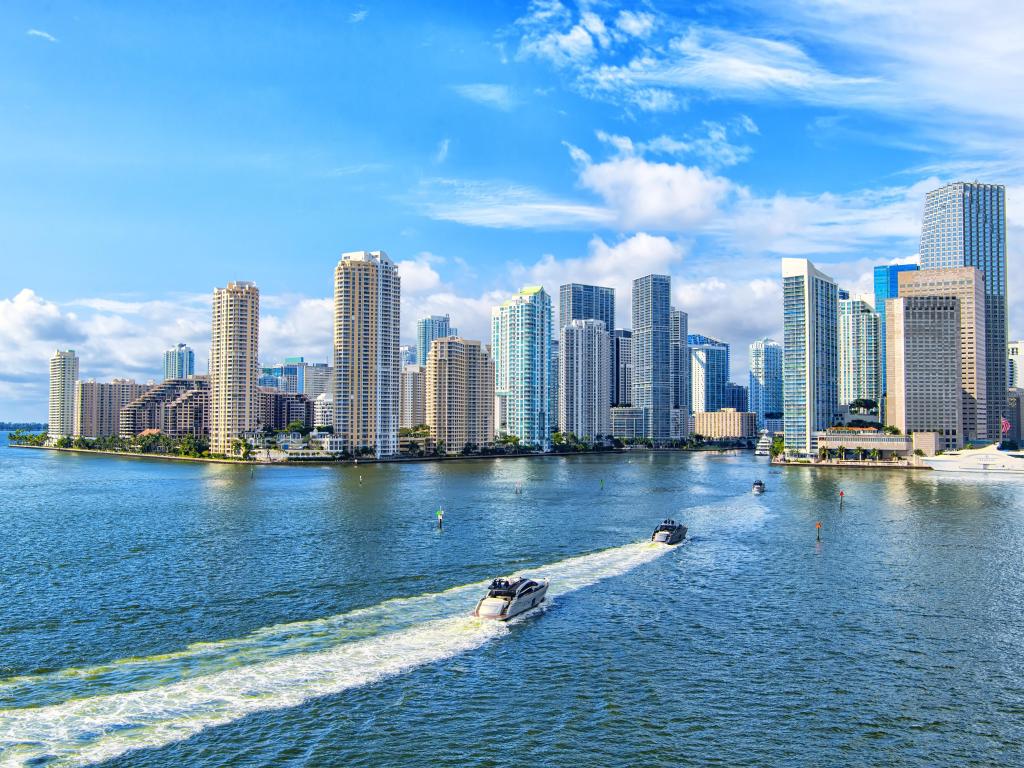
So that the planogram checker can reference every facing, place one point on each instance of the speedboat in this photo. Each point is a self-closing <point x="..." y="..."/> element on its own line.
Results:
<point x="509" y="597"/>
<point x="758" y="487"/>
<point x="669" y="532"/>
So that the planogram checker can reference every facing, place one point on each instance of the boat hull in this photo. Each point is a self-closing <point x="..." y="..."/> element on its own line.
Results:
<point x="986" y="461"/>
<point x="669" y="537"/>
<point x="515" y="608"/>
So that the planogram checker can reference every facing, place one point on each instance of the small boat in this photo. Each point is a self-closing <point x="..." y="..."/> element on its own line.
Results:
<point x="509" y="597"/>
<point x="669" y="532"/>
<point x="758" y="487"/>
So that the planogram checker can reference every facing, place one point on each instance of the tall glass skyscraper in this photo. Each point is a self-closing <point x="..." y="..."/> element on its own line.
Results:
<point x="521" y="346"/>
<point x="965" y="226"/>
<point x="428" y="329"/>
<point x="680" y="363"/>
<point x="652" y="386"/>
<point x="179" y="362"/>
<point x="765" y="378"/>
<point x="859" y="347"/>
<point x="810" y="358"/>
<point x="709" y="373"/>
<point x="887" y="286"/>
<point x="577" y="301"/>
<point x="622" y="368"/>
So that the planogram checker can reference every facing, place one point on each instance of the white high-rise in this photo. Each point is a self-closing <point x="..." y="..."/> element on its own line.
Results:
<point x="765" y="394"/>
<point x="810" y="359"/>
<point x="584" y="384"/>
<point x="412" y="403"/>
<point x="860" y="350"/>
<point x="63" y="374"/>
<point x="367" y="373"/>
<point x="179" y="362"/>
<point x="234" y="364"/>
<point x="521" y="346"/>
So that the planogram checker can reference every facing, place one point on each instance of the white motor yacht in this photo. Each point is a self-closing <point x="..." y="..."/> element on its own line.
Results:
<point x="509" y="597"/>
<point x="987" y="459"/>
<point x="669" y="532"/>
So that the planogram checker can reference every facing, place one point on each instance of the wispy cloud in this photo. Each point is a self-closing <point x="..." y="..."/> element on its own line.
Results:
<point x="355" y="169"/>
<point x="492" y="95"/>
<point x="442" y="150"/>
<point x="41" y="34"/>
<point x="357" y="16"/>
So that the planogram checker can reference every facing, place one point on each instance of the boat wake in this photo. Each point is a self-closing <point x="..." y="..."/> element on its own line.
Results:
<point x="273" y="668"/>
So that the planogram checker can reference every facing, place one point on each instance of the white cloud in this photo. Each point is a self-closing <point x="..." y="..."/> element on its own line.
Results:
<point x="635" y="24"/>
<point x="442" y="150"/>
<point x="41" y="34"/>
<point x="494" y="95"/>
<point x="358" y="16"/>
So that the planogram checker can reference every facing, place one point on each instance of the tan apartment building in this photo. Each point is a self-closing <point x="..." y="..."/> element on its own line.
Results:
<point x="412" y="399"/>
<point x="234" y="363"/>
<point x="175" y="407"/>
<point x="967" y="285"/>
<point x="459" y="393"/>
<point x="98" y="406"/>
<point x="63" y="375"/>
<point x="367" y="370"/>
<point x="922" y="367"/>
<point x="726" y="424"/>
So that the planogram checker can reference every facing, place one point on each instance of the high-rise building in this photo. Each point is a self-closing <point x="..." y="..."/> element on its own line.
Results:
<point x="1015" y="358"/>
<point x="407" y="354"/>
<point x="726" y="424"/>
<point x="98" y="406"/>
<point x="428" y="329"/>
<point x="316" y="380"/>
<point x="367" y="295"/>
<point x="709" y="373"/>
<point x="736" y="397"/>
<point x="288" y="376"/>
<point x="553" y="391"/>
<point x="652" y="364"/>
<point x="521" y="345"/>
<point x="860" y="375"/>
<point x="887" y="286"/>
<point x="323" y="410"/>
<point x="179" y="362"/>
<point x="810" y="357"/>
<point x="765" y="379"/>
<point x="63" y="375"/>
<point x="234" y="363"/>
<point x="622" y="368"/>
<point x="584" y="379"/>
<point x="176" y="407"/>
<point x="577" y="301"/>
<point x="412" y="402"/>
<point x="923" y="393"/>
<point x="460" y="393"/>
<point x="967" y="286"/>
<point x="279" y="410"/>
<point x="965" y="226"/>
<point x="679" y="361"/>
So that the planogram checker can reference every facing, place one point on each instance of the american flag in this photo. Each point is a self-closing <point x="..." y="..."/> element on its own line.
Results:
<point x="1006" y="425"/>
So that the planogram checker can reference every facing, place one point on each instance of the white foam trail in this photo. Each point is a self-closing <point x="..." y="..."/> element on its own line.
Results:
<point x="98" y="728"/>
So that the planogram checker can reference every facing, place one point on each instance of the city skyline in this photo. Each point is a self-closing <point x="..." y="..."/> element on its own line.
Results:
<point x="699" y="178"/>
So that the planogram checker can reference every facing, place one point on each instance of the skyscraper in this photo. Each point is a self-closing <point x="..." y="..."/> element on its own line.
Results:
<point x="553" y="424"/>
<point x="652" y="385"/>
<point x="412" y="403"/>
<point x="924" y="389"/>
<point x="709" y="373"/>
<point x="679" y="360"/>
<point x="765" y="395"/>
<point x="521" y="345"/>
<point x="622" y="368"/>
<point x="965" y="226"/>
<point x="179" y="362"/>
<point x="367" y="296"/>
<point x="810" y="359"/>
<point x="460" y="393"/>
<point x="316" y="380"/>
<point x="860" y="376"/>
<point x="1014" y="373"/>
<point x="234" y="363"/>
<point x="577" y="301"/>
<point x="63" y="374"/>
<point x="584" y="379"/>
<point x="736" y="397"/>
<point x="428" y="329"/>
<point x="887" y="286"/>
<point x="967" y="286"/>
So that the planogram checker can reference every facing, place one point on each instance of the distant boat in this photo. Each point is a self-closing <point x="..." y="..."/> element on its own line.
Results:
<point x="764" y="445"/>
<point x="758" y="487"/>
<point x="985" y="460"/>
<point x="669" y="532"/>
<point x="511" y="596"/>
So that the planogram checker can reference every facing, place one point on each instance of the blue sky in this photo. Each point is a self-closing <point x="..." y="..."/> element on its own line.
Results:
<point x="150" y="153"/>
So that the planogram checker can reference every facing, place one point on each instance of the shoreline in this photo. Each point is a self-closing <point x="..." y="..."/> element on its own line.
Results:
<point x="368" y="460"/>
<point x="849" y="465"/>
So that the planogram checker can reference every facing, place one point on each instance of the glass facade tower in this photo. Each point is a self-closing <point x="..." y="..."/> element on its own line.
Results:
<point x="765" y="379"/>
<point x="651" y="348"/>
